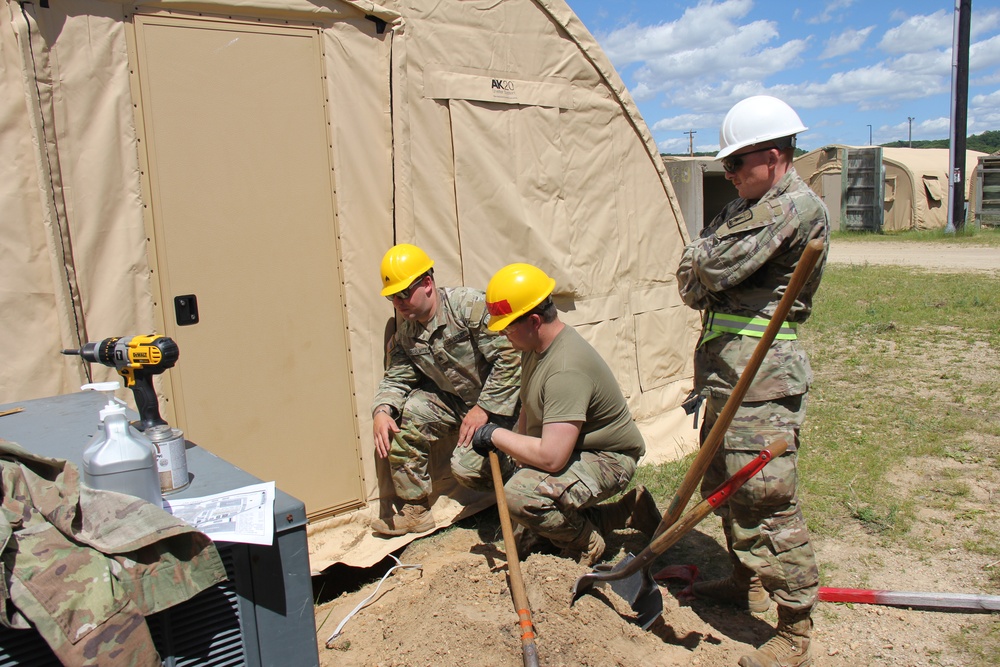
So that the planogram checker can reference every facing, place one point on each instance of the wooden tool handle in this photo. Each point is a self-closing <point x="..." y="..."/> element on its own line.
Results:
<point x="528" y="648"/>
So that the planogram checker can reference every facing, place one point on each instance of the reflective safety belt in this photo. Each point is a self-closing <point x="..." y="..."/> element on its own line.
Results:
<point x="717" y="324"/>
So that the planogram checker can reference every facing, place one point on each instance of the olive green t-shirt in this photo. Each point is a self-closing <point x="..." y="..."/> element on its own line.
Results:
<point x="571" y="382"/>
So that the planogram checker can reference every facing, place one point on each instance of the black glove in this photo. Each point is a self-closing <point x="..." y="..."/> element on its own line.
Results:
<point x="482" y="439"/>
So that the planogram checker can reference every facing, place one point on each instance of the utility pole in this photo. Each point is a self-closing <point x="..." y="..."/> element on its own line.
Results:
<point x="869" y="135"/>
<point x="909" y="119"/>
<point x="959" y="115"/>
<point x="691" y="134"/>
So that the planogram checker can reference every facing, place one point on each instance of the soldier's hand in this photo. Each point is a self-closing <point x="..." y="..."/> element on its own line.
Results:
<point x="482" y="441"/>
<point x="383" y="428"/>
<point x="475" y="418"/>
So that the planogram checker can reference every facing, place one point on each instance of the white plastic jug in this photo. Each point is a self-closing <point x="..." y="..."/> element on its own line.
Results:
<point x="120" y="458"/>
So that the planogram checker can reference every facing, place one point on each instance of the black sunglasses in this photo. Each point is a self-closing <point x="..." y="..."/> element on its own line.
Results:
<point x="403" y="295"/>
<point x="733" y="163"/>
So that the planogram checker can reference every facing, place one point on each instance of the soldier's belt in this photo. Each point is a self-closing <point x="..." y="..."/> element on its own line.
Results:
<point x="717" y="324"/>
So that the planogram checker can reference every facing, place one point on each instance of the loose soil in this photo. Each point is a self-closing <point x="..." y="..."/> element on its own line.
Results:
<point x="457" y="609"/>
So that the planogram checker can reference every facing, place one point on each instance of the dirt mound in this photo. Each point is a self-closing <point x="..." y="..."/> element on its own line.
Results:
<point x="457" y="610"/>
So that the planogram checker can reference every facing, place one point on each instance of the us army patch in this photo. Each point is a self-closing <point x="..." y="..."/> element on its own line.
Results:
<point x="478" y="309"/>
<point x="754" y="217"/>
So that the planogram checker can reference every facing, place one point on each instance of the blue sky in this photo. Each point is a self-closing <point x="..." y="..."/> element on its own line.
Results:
<point x="842" y="64"/>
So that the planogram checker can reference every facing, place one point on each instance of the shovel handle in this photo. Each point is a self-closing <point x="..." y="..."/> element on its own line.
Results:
<point x="671" y="535"/>
<point x="528" y="649"/>
<point x="721" y="494"/>
<point x="804" y="269"/>
<point x="678" y="529"/>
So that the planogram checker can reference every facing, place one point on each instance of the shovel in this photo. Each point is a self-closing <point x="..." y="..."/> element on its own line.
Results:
<point x="529" y="652"/>
<point x="631" y="578"/>
<point x="804" y="268"/>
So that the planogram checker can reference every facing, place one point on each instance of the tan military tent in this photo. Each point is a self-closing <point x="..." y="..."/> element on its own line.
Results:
<point x="915" y="188"/>
<point x="258" y="157"/>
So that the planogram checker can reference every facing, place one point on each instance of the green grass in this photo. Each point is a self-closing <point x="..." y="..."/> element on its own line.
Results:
<point x="969" y="236"/>
<point x="893" y="351"/>
<point x="980" y="641"/>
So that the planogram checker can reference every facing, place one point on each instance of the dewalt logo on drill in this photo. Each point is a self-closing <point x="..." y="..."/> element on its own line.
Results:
<point x="145" y="355"/>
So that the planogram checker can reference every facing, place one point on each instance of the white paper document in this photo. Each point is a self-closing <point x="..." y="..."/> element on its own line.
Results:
<point x="243" y="515"/>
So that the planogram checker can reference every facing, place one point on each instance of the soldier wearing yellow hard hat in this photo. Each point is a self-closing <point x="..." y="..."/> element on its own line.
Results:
<point x="575" y="444"/>
<point x="447" y="374"/>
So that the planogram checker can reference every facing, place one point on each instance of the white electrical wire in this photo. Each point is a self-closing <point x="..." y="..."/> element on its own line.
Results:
<point x="367" y="600"/>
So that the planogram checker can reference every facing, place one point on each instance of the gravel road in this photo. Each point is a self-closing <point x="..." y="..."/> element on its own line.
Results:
<point x="932" y="256"/>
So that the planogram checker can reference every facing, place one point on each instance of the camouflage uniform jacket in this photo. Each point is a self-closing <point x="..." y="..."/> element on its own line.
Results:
<point x="741" y="265"/>
<point x="455" y="352"/>
<point x="84" y="567"/>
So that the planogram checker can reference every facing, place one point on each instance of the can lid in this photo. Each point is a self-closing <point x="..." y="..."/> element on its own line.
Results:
<point x="159" y="432"/>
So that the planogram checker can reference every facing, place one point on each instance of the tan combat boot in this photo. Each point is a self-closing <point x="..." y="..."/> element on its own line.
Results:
<point x="414" y="517"/>
<point x="636" y="509"/>
<point x="587" y="549"/>
<point x="645" y="516"/>
<point x="790" y="645"/>
<point x="736" y="590"/>
<point x="525" y="540"/>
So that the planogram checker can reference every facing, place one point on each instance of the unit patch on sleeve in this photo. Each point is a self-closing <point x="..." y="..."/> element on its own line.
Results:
<point x="754" y="217"/>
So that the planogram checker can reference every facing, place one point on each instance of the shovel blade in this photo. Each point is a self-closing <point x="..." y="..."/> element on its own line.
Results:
<point x="638" y="589"/>
<point x="642" y="594"/>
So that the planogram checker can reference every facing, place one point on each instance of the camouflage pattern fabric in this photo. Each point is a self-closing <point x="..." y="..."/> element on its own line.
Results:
<point x="436" y="374"/>
<point x="744" y="270"/>
<point x="428" y="418"/>
<point x="456" y="353"/>
<point x="762" y="520"/>
<point x="85" y="566"/>
<point x="741" y="265"/>
<point x="551" y="505"/>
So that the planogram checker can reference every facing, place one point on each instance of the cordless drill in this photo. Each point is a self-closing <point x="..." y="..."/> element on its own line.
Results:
<point x="137" y="359"/>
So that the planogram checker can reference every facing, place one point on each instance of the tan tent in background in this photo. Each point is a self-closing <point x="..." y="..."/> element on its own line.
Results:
<point x="915" y="186"/>
<point x="258" y="157"/>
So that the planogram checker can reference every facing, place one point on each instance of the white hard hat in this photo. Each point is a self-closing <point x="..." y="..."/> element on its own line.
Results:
<point x="754" y="120"/>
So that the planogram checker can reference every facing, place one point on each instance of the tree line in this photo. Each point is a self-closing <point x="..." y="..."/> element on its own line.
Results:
<point x="987" y="142"/>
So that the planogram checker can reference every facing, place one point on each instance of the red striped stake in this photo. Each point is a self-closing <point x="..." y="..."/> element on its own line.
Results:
<point x="951" y="601"/>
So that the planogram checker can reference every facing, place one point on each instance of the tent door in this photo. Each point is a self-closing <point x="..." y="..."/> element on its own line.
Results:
<point x="233" y="121"/>
<point x="861" y="206"/>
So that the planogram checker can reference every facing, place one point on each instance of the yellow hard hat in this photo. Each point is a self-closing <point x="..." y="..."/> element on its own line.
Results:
<point x="513" y="291"/>
<point x="403" y="264"/>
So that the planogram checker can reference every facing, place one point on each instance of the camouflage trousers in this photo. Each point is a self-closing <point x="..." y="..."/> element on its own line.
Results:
<point x="552" y="506"/>
<point x="763" y="523"/>
<point x="428" y="419"/>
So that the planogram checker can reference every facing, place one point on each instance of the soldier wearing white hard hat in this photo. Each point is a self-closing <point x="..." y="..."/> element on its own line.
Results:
<point x="736" y="273"/>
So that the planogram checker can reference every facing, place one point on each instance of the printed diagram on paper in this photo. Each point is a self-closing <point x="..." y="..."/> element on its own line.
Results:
<point x="241" y="515"/>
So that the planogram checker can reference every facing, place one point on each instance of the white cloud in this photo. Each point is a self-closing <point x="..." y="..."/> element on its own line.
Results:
<point x="846" y="42"/>
<point x="984" y="112"/>
<point x="701" y="26"/>
<point x="830" y="10"/>
<point x="988" y="100"/>
<point x="685" y="122"/>
<point x="983" y="22"/>
<point x="878" y="86"/>
<point x="984" y="54"/>
<point x="924" y="32"/>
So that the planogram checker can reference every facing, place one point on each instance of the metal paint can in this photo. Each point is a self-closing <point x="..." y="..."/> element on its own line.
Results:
<point x="171" y="457"/>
